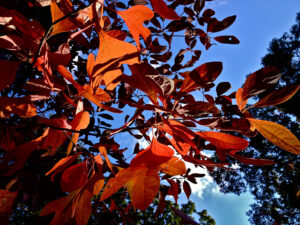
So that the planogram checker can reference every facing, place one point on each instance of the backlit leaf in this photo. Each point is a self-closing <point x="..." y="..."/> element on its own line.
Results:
<point x="143" y="187"/>
<point x="260" y="81"/>
<point x="277" y="134"/>
<point x="111" y="55"/>
<point x="278" y="96"/>
<point x="224" y="141"/>
<point x="81" y="121"/>
<point x="62" y="26"/>
<point x="134" y="18"/>
<point x="206" y="73"/>
<point x="173" y="167"/>
<point x="154" y="155"/>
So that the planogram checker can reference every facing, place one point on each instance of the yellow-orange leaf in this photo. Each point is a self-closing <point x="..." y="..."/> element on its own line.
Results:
<point x="134" y="18"/>
<point x="277" y="134"/>
<point x="117" y="182"/>
<point x="174" y="167"/>
<point x="143" y="187"/>
<point x="62" y="26"/>
<point x="111" y="55"/>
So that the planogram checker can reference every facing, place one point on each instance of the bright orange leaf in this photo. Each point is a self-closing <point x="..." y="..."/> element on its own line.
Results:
<point x="134" y="18"/>
<point x="154" y="155"/>
<point x="80" y="122"/>
<point x="111" y="55"/>
<point x="62" y="26"/>
<point x="143" y="187"/>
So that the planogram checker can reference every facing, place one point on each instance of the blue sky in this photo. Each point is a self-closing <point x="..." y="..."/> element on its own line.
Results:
<point x="257" y="23"/>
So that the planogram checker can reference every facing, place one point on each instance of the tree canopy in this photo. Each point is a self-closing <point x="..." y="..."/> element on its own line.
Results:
<point x="72" y="68"/>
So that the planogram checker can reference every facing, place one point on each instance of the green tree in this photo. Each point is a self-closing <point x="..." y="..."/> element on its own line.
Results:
<point x="275" y="188"/>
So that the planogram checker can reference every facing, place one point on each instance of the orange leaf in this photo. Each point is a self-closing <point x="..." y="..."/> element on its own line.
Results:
<point x="238" y="97"/>
<point x="277" y="134"/>
<point x="83" y="209"/>
<point x="74" y="177"/>
<point x="224" y="141"/>
<point x="111" y="55"/>
<point x="117" y="182"/>
<point x="173" y="167"/>
<point x="81" y="121"/>
<point x="61" y="165"/>
<point x="188" y="85"/>
<point x="62" y="26"/>
<point x="154" y="155"/>
<point x="143" y="187"/>
<point x="103" y="152"/>
<point x="134" y="18"/>
<point x="87" y="91"/>
<point x="179" y="132"/>
<point x="163" y="10"/>
<point x="278" y="96"/>
<point x="8" y="73"/>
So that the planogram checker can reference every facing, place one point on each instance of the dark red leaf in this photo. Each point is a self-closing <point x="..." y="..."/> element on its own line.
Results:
<point x="228" y="39"/>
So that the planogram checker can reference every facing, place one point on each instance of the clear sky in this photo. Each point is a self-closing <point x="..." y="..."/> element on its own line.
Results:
<point x="257" y="23"/>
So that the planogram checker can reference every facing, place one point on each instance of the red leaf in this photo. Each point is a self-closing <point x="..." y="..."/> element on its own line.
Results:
<point x="187" y="189"/>
<point x="74" y="177"/>
<point x="227" y="39"/>
<point x="278" y="96"/>
<point x="260" y="81"/>
<point x="215" y="26"/>
<point x="206" y="73"/>
<point x="163" y="10"/>
<point x="251" y="161"/>
<point x="7" y="200"/>
<point x="8" y="73"/>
